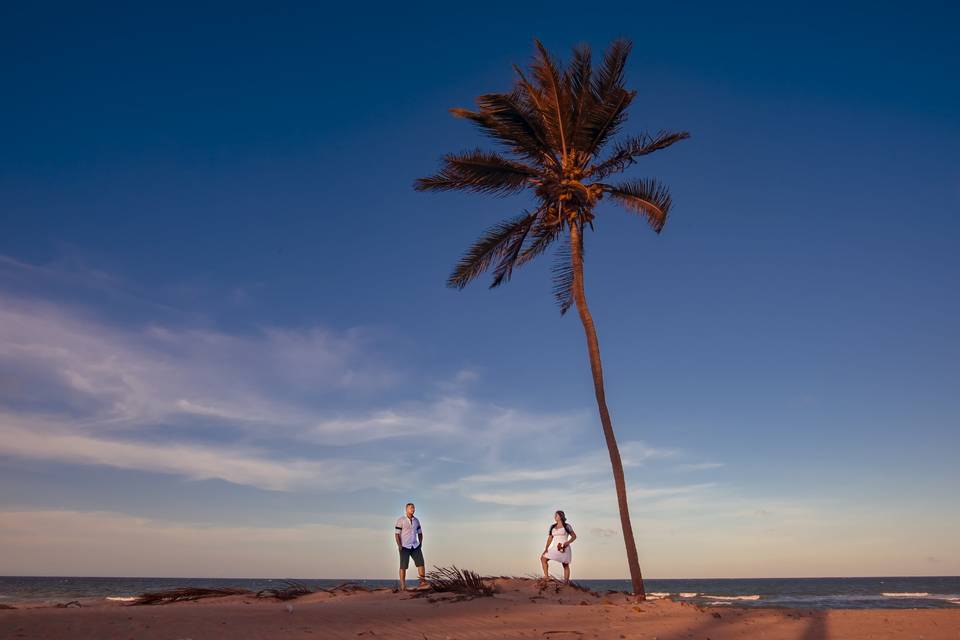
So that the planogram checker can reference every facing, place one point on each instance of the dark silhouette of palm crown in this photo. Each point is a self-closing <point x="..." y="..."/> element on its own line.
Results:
<point x="554" y="125"/>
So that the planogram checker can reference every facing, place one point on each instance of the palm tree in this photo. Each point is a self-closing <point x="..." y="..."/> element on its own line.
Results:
<point x="553" y="126"/>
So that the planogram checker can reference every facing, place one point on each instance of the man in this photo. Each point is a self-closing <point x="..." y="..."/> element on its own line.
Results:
<point x="409" y="537"/>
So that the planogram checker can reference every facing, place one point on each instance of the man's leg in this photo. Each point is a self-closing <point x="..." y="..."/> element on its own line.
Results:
<point x="404" y="563"/>
<point x="418" y="561"/>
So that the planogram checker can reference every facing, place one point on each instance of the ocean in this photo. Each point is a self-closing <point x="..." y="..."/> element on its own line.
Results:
<point x="805" y="593"/>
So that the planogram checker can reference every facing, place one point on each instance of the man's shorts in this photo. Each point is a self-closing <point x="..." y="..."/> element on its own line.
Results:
<point x="406" y="554"/>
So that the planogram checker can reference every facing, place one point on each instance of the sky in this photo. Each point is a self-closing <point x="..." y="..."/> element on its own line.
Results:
<point x="227" y="350"/>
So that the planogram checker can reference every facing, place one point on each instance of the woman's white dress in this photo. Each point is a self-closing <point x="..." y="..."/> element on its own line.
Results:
<point x="560" y="535"/>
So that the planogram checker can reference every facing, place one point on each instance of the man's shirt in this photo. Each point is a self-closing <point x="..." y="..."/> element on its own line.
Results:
<point x="408" y="528"/>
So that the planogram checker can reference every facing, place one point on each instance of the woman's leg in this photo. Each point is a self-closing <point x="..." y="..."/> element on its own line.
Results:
<point x="543" y="563"/>
<point x="566" y="573"/>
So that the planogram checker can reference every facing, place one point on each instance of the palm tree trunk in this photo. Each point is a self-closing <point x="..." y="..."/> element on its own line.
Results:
<point x="593" y="348"/>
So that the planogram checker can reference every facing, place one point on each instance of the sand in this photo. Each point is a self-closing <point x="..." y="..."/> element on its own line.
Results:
<point x="519" y="609"/>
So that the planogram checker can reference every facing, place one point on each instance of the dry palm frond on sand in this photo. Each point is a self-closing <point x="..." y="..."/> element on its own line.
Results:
<point x="347" y="588"/>
<point x="454" y="580"/>
<point x="183" y="594"/>
<point x="291" y="591"/>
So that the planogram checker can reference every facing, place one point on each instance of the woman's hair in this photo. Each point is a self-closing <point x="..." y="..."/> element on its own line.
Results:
<point x="563" y="519"/>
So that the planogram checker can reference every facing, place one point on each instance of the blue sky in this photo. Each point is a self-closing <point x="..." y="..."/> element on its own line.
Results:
<point x="224" y="330"/>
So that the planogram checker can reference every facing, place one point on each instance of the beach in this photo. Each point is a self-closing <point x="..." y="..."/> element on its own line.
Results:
<point x="519" y="608"/>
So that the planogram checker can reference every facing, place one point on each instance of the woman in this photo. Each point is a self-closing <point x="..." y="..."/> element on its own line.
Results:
<point x="559" y="537"/>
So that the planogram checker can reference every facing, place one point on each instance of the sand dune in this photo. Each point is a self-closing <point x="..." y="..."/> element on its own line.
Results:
<point x="520" y="609"/>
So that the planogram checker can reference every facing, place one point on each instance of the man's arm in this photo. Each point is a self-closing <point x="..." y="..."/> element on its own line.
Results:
<point x="397" y="531"/>
<point x="397" y="536"/>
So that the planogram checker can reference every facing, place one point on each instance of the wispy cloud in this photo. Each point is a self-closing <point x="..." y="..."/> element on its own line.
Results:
<point x="589" y="497"/>
<point x="71" y="274"/>
<point x="116" y="376"/>
<point x="446" y="416"/>
<point x="75" y="387"/>
<point x="39" y="439"/>
<point x="632" y="453"/>
<point x="698" y="466"/>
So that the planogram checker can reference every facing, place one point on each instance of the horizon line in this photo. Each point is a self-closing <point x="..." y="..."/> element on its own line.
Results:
<point x="627" y="578"/>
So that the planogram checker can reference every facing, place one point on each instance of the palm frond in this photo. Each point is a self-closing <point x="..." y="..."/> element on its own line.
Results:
<point x="577" y="79"/>
<point x="452" y="579"/>
<point x="290" y="591"/>
<point x="605" y="119"/>
<point x="182" y="594"/>
<point x="647" y="197"/>
<point x="480" y="171"/>
<point x="544" y="234"/>
<point x="508" y="119"/>
<point x="345" y="587"/>
<point x="491" y="245"/>
<point x="610" y="99"/>
<point x="609" y="77"/>
<point x="539" y="108"/>
<point x="510" y="253"/>
<point x="556" y="100"/>
<point x="628" y="150"/>
<point x="563" y="274"/>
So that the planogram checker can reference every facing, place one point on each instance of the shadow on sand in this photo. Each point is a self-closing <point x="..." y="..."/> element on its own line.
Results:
<point x="817" y="629"/>
<point x="727" y="627"/>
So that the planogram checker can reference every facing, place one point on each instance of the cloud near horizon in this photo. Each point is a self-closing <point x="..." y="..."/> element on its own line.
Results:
<point x="319" y="416"/>
<point x="270" y="410"/>
<point x="76" y="389"/>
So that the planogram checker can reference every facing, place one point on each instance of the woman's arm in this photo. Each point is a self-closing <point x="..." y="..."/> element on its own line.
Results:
<point x="549" y="540"/>
<point x="573" y="536"/>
